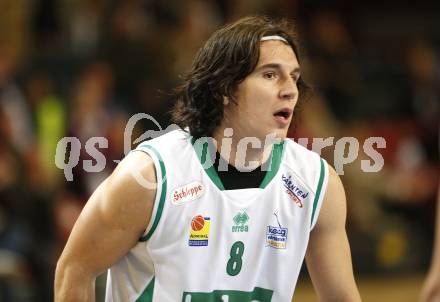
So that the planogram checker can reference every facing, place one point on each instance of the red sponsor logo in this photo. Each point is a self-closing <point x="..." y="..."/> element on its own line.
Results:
<point x="187" y="193"/>
<point x="294" y="198"/>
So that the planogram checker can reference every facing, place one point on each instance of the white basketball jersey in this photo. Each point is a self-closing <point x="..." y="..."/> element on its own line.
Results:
<point x="205" y="243"/>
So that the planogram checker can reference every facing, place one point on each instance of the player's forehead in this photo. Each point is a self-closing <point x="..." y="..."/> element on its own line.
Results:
<point x="279" y="53"/>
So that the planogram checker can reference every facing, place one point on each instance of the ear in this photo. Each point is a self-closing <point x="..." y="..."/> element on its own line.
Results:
<point x="225" y="100"/>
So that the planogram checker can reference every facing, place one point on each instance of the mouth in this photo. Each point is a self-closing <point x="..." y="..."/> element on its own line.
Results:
<point x="283" y="116"/>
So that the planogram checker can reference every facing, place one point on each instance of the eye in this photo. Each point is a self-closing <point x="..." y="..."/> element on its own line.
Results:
<point x="269" y="75"/>
<point x="295" y="77"/>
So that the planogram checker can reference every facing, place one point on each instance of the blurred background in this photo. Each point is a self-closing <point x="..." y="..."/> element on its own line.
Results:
<point x="83" y="67"/>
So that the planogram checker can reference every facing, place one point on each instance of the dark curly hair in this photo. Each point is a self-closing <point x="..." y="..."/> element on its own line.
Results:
<point x="223" y="62"/>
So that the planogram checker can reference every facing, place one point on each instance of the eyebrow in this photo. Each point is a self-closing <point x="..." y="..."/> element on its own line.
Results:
<point x="296" y="70"/>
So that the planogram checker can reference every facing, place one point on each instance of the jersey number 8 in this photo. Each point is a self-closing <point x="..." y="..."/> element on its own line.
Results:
<point x="234" y="263"/>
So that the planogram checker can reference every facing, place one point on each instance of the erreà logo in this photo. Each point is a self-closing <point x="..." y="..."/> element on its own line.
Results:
<point x="187" y="193"/>
<point x="240" y="221"/>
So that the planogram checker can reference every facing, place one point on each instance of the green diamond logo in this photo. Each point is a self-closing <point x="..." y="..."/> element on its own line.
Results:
<point x="241" y="218"/>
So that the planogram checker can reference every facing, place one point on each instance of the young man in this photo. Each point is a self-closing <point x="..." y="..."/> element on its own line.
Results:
<point x="203" y="233"/>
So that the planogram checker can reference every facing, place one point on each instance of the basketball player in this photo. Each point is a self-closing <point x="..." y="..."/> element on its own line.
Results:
<point x="215" y="228"/>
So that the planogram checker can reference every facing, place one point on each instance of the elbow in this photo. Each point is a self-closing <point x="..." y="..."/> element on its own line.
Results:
<point x="60" y="282"/>
<point x="72" y="283"/>
<point x="59" y="278"/>
<point x="61" y="268"/>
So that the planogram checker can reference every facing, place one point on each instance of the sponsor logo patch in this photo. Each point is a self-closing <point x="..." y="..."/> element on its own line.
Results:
<point x="276" y="237"/>
<point x="187" y="193"/>
<point x="240" y="222"/>
<point x="199" y="234"/>
<point x="298" y="195"/>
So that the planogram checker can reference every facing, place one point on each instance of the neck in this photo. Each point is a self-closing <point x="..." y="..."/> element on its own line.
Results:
<point x="243" y="152"/>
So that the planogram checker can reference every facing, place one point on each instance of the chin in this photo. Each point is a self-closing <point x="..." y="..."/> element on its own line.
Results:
<point x="278" y="134"/>
<point x="282" y="136"/>
<point x="281" y="133"/>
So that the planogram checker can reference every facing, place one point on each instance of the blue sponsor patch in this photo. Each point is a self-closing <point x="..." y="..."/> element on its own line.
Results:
<point x="276" y="237"/>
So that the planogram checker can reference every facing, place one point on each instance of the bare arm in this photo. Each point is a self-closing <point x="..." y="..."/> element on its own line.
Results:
<point x="110" y="224"/>
<point x="328" y="255"/>
<point x="431" y="287"/>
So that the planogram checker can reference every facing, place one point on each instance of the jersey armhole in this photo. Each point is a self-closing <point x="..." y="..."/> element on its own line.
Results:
<point x="161" y="189"/>
<point x="321" y="187"/>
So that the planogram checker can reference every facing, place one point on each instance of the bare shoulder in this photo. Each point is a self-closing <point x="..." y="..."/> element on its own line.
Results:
<point x="114" y="217"/>
<point x="129" y="192"/>
<point x="110" y="224"/>
<point x="335" y="185"/>
<point x="333" y="211"/>
<point x="136" y="171"/>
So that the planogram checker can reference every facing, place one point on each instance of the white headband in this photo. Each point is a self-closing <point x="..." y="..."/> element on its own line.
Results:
<point x="279" y="38"/>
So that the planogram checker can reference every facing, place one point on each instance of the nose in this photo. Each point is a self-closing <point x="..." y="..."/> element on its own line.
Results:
<point x="289" y="89"/>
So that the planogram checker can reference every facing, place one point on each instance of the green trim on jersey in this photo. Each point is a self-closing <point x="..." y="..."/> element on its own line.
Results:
<point x="257" y="294"/>
<point x="318" y="190"/>
<point x="277" y="155"/>
<point x="147" y="294"/>
<point x="205" y="159"/>
<point x="212" y="173"/>
<point x="162" y="195"/>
